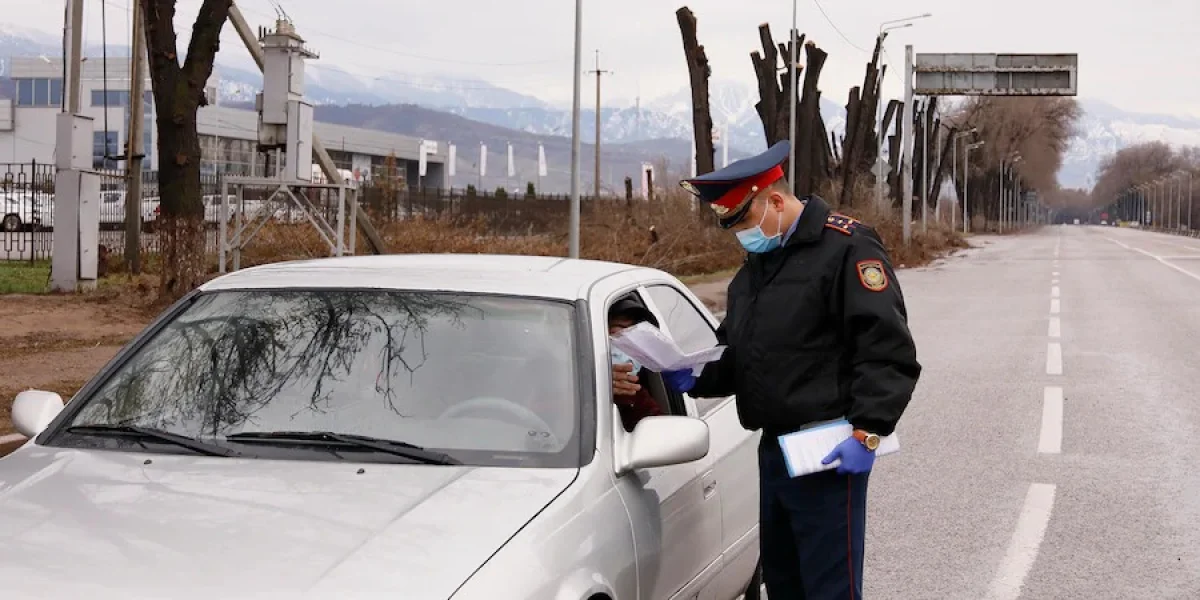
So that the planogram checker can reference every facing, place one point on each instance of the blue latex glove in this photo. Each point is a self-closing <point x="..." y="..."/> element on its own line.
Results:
<point x="680" y="381"/>
<point x="855" y="457"/>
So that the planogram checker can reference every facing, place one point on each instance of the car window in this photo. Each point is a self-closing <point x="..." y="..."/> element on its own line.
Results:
<point x="687" y="327"/>
<point x="489" y="380"/>
<point x="653" y="382"/>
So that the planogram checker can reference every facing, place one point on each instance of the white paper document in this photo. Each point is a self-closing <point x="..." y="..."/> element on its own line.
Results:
<point x="652" y="348"/>
<point x="804" y="450"/>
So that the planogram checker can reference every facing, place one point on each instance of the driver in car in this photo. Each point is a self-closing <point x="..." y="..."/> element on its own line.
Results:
<point x="633" y="401"/>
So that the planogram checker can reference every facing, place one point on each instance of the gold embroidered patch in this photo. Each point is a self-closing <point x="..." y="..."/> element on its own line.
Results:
<point x="872" y="275"/>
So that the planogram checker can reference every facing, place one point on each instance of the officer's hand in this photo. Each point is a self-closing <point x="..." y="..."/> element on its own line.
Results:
<point x="855" y="457"/>
<point x="624" y="381"/>
<point x="680" y="381"/>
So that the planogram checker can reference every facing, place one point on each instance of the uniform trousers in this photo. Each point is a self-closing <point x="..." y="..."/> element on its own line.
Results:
<point x="811" y="530"/>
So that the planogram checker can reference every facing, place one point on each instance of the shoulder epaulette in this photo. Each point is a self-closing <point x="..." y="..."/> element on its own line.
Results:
<point x="842" y="223"/>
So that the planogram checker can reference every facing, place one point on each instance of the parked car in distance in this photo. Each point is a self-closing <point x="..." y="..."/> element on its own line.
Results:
<point x="412" y="426"/>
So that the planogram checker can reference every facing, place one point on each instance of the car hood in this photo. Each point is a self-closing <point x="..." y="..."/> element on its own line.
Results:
<point x="124" y="524"/>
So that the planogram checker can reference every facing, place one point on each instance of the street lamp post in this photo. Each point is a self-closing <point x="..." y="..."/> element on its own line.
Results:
<point x="792" y="77"/>
<point x="966" y="181"/>
<point x="954" y="170"/>
<point x="1189" y="202"/>
<point x="883" y="29"/>
<point x="573" y="235"/>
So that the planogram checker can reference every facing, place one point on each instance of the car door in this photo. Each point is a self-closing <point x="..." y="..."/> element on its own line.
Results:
<point x="675" y="520"/>
<point x="732" y="462"/>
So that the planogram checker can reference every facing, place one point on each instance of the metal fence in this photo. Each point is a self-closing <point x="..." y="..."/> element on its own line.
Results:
<point x="27" y="223"/>
<point x="26" y="210"/>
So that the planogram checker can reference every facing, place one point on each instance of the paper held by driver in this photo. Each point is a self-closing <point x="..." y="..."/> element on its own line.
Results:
<point x="654" y="350"/>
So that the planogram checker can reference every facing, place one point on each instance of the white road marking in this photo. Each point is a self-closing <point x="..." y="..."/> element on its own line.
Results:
<point x="1023" y="547"/>
<point x="1054" y="292"/>
<point x="1055" y="327"/>
<point x="1055" y="273"/>
<point x="1050" y="442"/>
<point x="1055" y="306"/>
<point x="12" y="437"/>
<point x="1054" y="359"/>
<point x="1158" y="258"/>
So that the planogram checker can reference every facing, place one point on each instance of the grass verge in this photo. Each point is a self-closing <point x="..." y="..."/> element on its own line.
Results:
<point x="23" y="277"/>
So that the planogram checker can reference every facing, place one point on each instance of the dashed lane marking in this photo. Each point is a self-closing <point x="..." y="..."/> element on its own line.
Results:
<point x="1054" y="359"/>
<point x="1050" y="440"/>
<point x="1026" y="540"/>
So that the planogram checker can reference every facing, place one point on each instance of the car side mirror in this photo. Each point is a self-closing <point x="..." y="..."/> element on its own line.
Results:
<point x="33" y="410"/>
<point x="661" y="441"/>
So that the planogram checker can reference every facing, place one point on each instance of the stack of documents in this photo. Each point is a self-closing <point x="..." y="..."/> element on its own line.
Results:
<point x="804" y="450"/>
<point x="654" y="350"/>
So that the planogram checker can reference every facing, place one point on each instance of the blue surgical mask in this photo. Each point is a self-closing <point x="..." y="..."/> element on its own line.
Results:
<point x="755" y="241"/>
<point x="619" y="357"/>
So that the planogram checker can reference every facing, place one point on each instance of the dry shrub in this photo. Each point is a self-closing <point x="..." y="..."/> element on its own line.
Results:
<point x="666" y="234"/>
<point x="936" y="241"/>
<point x="671" y="234"/>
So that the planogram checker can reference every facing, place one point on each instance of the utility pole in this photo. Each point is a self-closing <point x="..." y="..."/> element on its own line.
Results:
<point x="74" y="264"/>
<point x="598" y="72"/>
<point x="134" y="151"/>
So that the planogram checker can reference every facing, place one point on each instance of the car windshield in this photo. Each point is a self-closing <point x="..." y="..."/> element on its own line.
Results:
<point x="485" y="380"/>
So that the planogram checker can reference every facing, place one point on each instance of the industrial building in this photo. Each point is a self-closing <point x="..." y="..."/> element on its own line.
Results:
<point x="31" y="94"/>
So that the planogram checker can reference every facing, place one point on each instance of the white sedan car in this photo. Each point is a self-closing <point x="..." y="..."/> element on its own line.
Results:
<point x="416" y="427"/>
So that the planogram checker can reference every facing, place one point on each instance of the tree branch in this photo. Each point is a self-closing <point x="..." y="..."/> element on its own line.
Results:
<point x="206" y="40"/>
<point x="160" y="37"/>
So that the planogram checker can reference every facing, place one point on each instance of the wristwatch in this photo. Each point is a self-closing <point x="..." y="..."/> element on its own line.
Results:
<point x="870" y="440"/>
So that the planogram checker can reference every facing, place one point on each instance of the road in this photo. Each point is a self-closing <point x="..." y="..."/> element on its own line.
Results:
<point x="1049" y="451"/>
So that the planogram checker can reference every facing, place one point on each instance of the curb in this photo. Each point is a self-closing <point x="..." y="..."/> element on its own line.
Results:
<point x="10" y="438"/>
<point x="9" y="443"/>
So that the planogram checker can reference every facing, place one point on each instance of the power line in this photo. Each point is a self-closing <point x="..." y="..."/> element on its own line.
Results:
<point x="835" y="28"/>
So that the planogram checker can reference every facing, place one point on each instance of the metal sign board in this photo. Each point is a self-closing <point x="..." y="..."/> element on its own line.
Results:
<point x="996" y="74"/>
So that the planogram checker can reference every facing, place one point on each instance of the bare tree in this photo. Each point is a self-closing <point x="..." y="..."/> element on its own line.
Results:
<point x="178" y="94"/>
<point x="1038" y="128"/>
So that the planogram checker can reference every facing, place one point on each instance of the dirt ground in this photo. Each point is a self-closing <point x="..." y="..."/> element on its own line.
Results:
<point x="56" y="343"/>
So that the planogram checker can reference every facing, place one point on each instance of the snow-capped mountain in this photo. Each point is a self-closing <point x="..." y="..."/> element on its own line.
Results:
<point x="1103" y="128"/>
<point x="668" y="117"/>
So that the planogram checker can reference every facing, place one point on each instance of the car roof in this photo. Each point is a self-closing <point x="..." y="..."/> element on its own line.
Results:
<point x="536" y="276"/>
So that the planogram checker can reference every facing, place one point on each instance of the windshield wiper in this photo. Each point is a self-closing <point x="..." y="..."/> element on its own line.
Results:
<point x="154" y="434"/>
<point x="395" y="447"/>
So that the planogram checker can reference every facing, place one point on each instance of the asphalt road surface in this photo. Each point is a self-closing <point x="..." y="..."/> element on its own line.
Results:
<point x="1050" y="449"/>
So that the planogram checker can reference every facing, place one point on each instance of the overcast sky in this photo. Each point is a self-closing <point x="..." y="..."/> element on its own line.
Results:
<point x="1141" y="55"/>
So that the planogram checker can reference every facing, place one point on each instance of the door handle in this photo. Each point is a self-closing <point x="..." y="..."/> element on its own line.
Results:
<point x="708" y="484"/>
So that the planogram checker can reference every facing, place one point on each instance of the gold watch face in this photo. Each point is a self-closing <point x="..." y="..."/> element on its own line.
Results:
<point x="872" y="442"/>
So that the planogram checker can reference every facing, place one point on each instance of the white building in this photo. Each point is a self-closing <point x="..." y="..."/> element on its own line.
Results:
<point x="31" y="93"/>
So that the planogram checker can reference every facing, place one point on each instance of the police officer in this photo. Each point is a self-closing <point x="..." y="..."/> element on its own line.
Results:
<point x="816" y="329"/>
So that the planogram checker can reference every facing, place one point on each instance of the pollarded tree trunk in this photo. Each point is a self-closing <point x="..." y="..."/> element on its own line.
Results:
<point x="698" y="74"/>
<point x="178" y="93"/>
